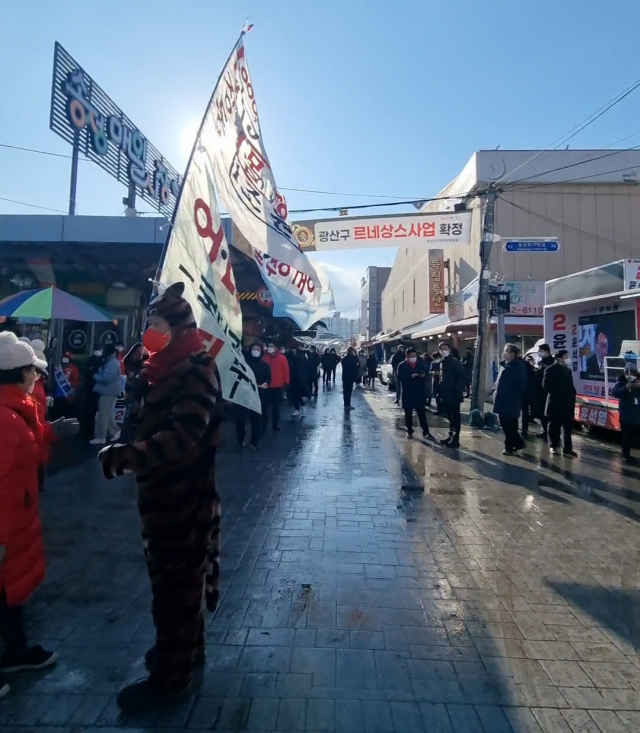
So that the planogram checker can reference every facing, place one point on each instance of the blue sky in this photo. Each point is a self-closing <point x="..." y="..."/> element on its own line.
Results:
<point x="355" y="96"/>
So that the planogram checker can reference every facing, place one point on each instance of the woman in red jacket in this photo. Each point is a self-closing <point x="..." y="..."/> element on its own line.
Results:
<point x="21" y="551"/>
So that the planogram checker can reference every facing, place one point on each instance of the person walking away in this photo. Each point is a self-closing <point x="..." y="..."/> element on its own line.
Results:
<point x="561" y="402"/>
<point x="539" y="405"/>
<point x="325" y="362"/>
<point x="435" y="369"/>
<point x="262" y="373"/>
<point x="451" y="388"/>
<point x="279" y="381"/>
<point x="627" y="392"/>
<point x="333" y="365"/>
<point x="509" y="394"/>
<point x="372" y="370"/>
<point x="413" y="374"/>
<point x="362" y="369"/>
<point x="396" y="360"/>
<point x="299" y="381"/>
<point x="467" y="365"/>
<point x="108" y="385"/>
<point x="173" y="459"/>
<point x="349" y="376"/>
<point x="314" y="370"/>
<point x="22" y="564"/>
<point x="528" y="397"/>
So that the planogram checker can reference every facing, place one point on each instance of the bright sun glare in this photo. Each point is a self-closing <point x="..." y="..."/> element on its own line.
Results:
<point x="188" y="135"/>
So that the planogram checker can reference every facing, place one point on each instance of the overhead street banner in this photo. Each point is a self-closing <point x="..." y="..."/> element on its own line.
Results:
<point x="405" y="230"/>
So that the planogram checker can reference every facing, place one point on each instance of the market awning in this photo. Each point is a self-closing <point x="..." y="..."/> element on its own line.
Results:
<point x="513" y="324"/>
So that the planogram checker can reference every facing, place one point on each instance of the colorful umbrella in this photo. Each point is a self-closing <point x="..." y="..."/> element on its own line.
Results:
<point x="51" y="303"/>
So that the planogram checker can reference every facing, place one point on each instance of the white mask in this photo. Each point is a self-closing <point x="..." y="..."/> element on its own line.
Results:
<point x="65" y="361"/>
<point x="97" y="352"/>
<point x="541" y="354"/>
<point x="567" y="361"/>
<point x="413" y="359"/>
<point x="631" y="378"/>
<point x="271" y="350"/>
<point x="445" y="353"/>
<point x="255" y="353"/>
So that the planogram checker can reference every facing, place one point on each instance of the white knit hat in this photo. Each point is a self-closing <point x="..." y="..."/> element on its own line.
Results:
<point x="15" y="353"/>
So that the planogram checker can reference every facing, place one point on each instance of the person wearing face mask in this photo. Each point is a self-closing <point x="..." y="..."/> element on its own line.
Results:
<point x="262" y="373"/>
<point x="173" y="458"/>
<point x="451" y="388"/>
<point x="120" y="354"/>
<point x="279" y="381"/>
<point x="334" y="360"/>
<point x="627" y="392"/>
<point x="108" y="385"/>
<point x="22" y="563"/>
<point x="90" y="398"/>
<point x="508" y="396"/>
<point x="561" y="402"/>
<point x="539" y="399"/>
<point x="349" y="376"/>
<point x="413" y="374"/>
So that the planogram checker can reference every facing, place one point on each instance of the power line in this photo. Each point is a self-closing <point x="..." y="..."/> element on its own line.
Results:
<point x="572" y="180"/>
<point x="282" y="188"/>
<point x="32" y="206"/>
<point x="373" y="206"/>
<point x="581" y="125"/>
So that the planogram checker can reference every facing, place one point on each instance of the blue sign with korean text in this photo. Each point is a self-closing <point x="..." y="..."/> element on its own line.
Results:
<point x="532" y="245"/>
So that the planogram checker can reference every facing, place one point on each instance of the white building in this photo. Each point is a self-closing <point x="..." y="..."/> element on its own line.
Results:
<point x="343" y="328"/>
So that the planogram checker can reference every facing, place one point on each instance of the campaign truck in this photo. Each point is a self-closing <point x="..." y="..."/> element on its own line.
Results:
<point x="594" y="315"/>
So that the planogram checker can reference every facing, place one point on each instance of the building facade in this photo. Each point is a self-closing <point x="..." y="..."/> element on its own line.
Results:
<point x="588" y="199"/>
<point x="343" y="328"/>
<point x="373" y="284"/>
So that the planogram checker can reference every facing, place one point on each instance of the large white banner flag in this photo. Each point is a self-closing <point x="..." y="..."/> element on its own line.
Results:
<point x="246" y="184"/>
<point x="197" y="254"/>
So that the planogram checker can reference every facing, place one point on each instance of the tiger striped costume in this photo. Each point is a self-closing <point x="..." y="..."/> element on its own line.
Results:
<point x="173" y="457"/>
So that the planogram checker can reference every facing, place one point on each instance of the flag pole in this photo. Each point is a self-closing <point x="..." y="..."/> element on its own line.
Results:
<point x="245" y="29"/>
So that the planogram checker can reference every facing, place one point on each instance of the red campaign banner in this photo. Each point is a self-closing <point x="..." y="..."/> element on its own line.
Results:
<point x="436" y="281"/>
<point x="600" y="417"/>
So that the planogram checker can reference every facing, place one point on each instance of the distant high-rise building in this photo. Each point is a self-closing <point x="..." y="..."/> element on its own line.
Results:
<point x="371" y="301"/>
<point x="343" y="328"/>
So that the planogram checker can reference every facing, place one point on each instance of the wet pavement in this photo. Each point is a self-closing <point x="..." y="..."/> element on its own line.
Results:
<point x="504" y="596"/>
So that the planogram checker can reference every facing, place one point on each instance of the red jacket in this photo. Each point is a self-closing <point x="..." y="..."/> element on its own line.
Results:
<point x="39" y="396"/>
<point x="279" y="369"/>
<point x="22" y="567"/>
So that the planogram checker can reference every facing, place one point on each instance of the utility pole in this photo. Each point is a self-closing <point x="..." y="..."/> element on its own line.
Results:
<point x="482" y="341"/>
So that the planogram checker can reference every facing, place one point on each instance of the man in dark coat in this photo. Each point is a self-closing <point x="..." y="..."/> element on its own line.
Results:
<point x="349" y="377"/>
<point x="539" y="402"/>
<point x="627" y="392"/>
<point x="452" y="383"/>
<point x="262" y="373"/>
<point x="467" y="365"/>
<point x="396" y="360"/>
<point x="313" y="359"/>
<point x="561" y="402"/>
<point x="372" y="370"/>
<point x="509" y="393"/>
<point x="528" y="396"/>
<point x="413" y="375"/>
<point x="300" y="384"/>
<point x="334" y="360"/>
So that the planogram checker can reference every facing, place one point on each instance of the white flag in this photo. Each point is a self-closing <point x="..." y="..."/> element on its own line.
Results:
<point x="197" y="254"/>
<point x="245" y="181"/>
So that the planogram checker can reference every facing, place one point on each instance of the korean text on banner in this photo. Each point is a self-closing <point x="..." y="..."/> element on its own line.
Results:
<point x="198" y="254"/>
<point x="410" y="230"/>
<point x="436" y="281"/>
<point x="244" y="179"/>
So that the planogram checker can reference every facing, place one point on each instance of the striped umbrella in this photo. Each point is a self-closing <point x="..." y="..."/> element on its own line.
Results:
<point x="46" y="304"/>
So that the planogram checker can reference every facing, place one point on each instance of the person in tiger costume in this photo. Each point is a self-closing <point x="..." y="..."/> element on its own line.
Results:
<point x="173" y="459"/>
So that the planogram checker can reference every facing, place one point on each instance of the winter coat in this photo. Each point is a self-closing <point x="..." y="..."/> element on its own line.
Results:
<point x="326" y="361"/>
<point x="299" y="372"/>
<point x="260" y="369"/>
<point x="279" y="366"/>
<point x="362" y="364"/>
<point x="628" y="402"/>
<point x="453" y="381"/>
<point x="109" y="378"/>
<point x="539" y="397"/>
<point x="396" y="360"/>
<point x="510" y="389"/>
<point x="350" y="368"/>
<point x="314" y="363"/>
<point x="173" y="459"/>
<point x="22" y="567"/>
<point x="561" y="393"/>
<point x="372" y="365"/>
<point x="414" y="389"/>
<point x="530" y="390"/>
<point x="467" y="365"/>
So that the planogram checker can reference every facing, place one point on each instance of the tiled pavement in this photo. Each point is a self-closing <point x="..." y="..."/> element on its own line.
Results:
<point x="505" y="597"/>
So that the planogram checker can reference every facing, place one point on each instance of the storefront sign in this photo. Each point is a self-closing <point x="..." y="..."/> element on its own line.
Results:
<point x="83" y="115"/>
<point x="631" y="274"/>
<point x="263" y="296"/>
<point x="527" y="298"/>
<point x="600" y="418"/>
<point x="436" y="281"/>
<point x="77" y="339"/>
<point x="109" y="337"/>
